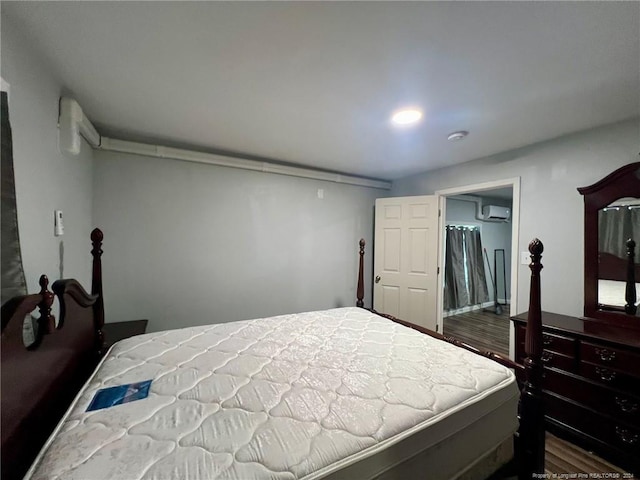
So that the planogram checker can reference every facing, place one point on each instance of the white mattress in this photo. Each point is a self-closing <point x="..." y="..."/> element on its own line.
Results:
<point x="302" y="396"/>
<point x="611" y="292"/>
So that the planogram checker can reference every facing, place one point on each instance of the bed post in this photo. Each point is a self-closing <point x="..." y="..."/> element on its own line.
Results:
<point x="96" y="285"/>
<point x="360" y="291"/>
<point x="630" y="291"/>
<point x="532" y="429"/>
<point x="47" y="322"/>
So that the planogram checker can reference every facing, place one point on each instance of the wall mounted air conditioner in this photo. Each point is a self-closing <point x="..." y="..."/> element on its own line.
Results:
<point x="494" y="213"/>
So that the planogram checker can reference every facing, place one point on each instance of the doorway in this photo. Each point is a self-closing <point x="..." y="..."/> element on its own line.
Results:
<point x="478" y="259"/>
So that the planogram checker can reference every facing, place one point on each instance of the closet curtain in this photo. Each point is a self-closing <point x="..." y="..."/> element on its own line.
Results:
<point x="477" y="281"/>
<point x="13" y="280"/>
<point x="465" y="281"/>
<point x="615" y="227"/>
<point x="455" y="288"/>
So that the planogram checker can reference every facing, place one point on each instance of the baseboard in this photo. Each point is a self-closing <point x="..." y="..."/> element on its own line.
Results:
<point x="473" y="308"/>
<point x="467" y="309"/>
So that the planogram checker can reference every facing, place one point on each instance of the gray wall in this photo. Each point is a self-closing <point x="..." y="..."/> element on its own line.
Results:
<point x="551" y="208"/>
<point x="189" y="244"/>
<point x="46" y="180"/>
<point x="494" y="235"/>
<point x="211" y="233"/>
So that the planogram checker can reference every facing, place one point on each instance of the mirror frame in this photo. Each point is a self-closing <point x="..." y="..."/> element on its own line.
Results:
<point x="623" y="182"/>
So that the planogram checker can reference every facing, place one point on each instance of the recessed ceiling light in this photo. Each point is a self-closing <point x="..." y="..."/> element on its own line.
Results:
<point x="407" y="116"/>
<point x="455" y="136"/>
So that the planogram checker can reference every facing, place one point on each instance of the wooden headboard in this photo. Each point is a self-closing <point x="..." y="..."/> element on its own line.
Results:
<point x="40" y="380"/>
<point x="611" y="267"/>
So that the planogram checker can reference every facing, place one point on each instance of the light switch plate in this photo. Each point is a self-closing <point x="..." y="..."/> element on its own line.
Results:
<point x="525" y="258"/>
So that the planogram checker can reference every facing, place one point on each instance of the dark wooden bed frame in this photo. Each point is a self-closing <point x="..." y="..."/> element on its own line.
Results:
<point x="611" y="267"/>
<point x="40" y="381"/>
<point x="530" y="439"/>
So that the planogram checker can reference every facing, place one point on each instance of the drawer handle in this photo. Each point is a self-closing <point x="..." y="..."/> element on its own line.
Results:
<point x="605" y="374"/>
<point x="627" y="405"/>
<point x="547" y="340"/>
<point x="546" y="357"/>
<point x="626" y="436"/>
<point x="605" y="355"/>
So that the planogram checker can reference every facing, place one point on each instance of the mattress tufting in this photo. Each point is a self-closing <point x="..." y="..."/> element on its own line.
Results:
<point x="288" y="397"/>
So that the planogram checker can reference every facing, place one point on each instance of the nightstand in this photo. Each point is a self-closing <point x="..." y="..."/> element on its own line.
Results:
<point x="114" y="332"/>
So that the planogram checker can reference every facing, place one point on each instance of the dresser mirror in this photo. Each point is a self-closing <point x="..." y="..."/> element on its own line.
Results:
<point x="611" y="219"/>
<point x="617" y="223"/>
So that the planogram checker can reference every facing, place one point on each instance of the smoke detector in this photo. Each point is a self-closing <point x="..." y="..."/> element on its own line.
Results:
<point x="455" y="136"/>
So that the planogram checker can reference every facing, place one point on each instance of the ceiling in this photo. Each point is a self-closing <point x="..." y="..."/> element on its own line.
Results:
<point x="314" y="83"/>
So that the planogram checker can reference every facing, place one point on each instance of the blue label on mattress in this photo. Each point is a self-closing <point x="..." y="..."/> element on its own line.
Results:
<point x="108" y="397"/>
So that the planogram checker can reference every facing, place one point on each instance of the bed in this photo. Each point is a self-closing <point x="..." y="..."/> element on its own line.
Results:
<point x="614" y="274"/>
<point x="335" y="394"/>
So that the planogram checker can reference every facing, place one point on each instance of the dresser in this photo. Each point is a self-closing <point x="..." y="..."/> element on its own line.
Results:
<point x="591" y="384"/>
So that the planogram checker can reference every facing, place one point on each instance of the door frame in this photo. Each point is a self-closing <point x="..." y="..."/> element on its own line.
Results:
<point x="442" y="195"/>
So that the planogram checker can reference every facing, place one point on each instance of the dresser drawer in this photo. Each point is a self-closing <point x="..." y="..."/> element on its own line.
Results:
<point x="551" y="342"/>
<point x="559" y="344"/>
<point x="558" y="360"/>
<point x="611" y="357"/>
<point x="614" y="403"/>
<point x="620" y="436"/>
<point x="553" y="359"/>
<point x="610" y="377"/>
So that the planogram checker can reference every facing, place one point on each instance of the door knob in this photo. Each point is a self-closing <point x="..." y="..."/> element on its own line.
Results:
<point x="378" y="279"/>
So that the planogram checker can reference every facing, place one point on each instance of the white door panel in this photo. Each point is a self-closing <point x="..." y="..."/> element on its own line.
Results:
<point x="405" y="258"/>
<point x="391" y="250"/>
<point x="418" y="238"/>
<point x="390" y="300"/>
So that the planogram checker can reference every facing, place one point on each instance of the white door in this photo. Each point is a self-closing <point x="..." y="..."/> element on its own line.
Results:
<point x="406" y="259"/>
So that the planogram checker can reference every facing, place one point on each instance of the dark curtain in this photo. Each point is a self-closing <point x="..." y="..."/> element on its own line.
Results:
<point x="465" y="282"/>
<point x="477" y="280"/>
<point x="616" y="225"/>
<point x="455" y="288"/>
<point x="13" y="280"/>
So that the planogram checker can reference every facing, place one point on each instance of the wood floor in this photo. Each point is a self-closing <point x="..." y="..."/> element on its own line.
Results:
<point x="488" y="331"/>
<point x="564" y="457"/>
<point x="481" y="328"/>
<point x="564" y="460"/>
